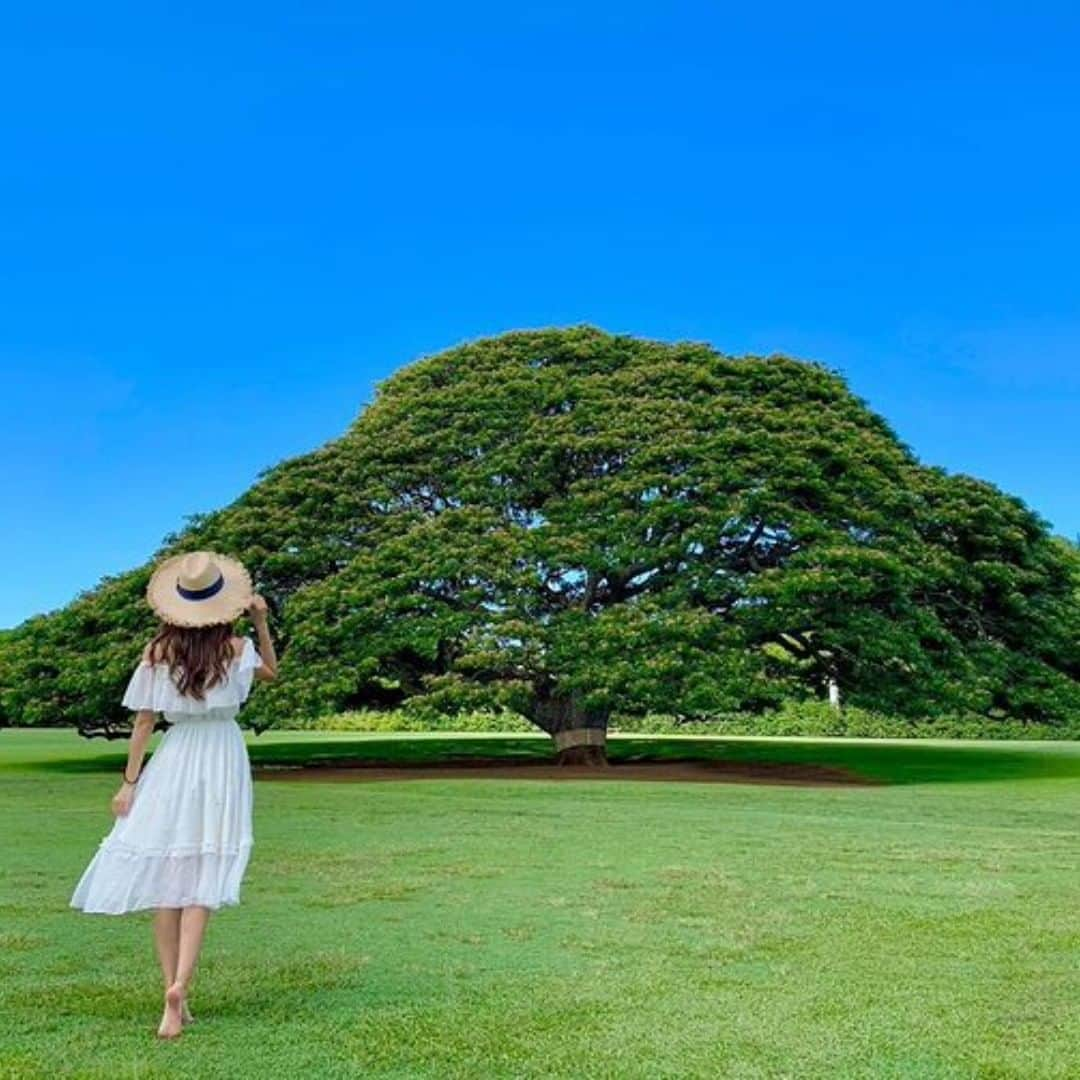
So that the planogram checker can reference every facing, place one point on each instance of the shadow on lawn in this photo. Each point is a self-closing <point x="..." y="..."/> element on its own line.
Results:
<point x="885" y="762"/>
<point x="880" y="762"/>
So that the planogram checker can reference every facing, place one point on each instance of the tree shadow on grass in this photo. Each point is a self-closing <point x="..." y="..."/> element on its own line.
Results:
<point x="331" y="752"/>
<point x="887" y="762"/>
<point x="892" y="762"/>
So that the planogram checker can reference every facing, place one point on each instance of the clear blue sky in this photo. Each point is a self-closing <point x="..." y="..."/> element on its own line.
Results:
<point x="223" y="223"/>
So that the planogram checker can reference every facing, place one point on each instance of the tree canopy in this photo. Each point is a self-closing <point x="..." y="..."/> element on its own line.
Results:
<point x="572" y="524"/>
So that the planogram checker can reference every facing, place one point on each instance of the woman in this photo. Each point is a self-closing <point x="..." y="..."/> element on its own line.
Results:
<point x="182" y="835"/>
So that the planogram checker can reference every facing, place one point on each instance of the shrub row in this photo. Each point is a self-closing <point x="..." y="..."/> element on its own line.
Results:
<point x="807" y="718"/>
<point x="402" y="720"/>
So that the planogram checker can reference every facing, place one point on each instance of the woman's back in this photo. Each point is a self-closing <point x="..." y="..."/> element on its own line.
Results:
<point x="153" y="687"/>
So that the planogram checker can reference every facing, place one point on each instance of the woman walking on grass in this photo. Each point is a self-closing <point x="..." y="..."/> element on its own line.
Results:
<point x="182" y="836"/>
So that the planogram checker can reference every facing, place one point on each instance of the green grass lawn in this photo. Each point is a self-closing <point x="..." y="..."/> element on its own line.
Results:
<point x="925" y="926"/>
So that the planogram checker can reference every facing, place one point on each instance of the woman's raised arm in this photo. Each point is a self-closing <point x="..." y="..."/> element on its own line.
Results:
<point x="267" y="671"/>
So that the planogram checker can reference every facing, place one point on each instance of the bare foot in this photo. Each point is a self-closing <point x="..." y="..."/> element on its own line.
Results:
<point x="172" y="1022"/>
<point x="185" y="1014"/>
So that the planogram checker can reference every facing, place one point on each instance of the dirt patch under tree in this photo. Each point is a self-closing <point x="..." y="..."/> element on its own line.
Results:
<point x="730" y="772"/>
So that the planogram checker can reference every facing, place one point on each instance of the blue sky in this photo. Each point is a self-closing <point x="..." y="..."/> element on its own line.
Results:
<point x="222" y="225"/>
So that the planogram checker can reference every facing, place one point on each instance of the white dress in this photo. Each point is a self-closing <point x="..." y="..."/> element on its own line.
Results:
<point x="187" y="837"/>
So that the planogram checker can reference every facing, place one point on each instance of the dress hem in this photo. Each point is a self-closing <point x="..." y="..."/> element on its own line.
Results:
<point x="176" y="851"/>
<point x="149" y="905"/>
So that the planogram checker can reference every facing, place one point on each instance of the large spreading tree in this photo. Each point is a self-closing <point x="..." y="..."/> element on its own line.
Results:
<point x="573" y="524"/>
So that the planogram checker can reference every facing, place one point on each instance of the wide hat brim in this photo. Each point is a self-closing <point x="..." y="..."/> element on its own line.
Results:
<point x="227" y="604"/>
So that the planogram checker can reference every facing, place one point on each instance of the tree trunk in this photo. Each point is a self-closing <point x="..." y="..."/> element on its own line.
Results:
<point x="581" y="746"/>
<point x="579" y="734"/>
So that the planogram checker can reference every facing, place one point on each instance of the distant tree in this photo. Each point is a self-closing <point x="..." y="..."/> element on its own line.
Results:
<point x="573" y="524"/>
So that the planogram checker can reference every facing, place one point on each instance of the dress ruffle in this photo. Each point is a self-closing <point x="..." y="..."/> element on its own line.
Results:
<point x="151" y="687"/>
<point x="117" y="882"/>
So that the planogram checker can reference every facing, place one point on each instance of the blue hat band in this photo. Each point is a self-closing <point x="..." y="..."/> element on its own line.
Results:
<point x="202" y="594"/>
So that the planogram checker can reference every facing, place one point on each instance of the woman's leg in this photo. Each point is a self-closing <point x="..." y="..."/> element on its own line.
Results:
<point x="193" y="922"/>
<point x="167" y="941"/>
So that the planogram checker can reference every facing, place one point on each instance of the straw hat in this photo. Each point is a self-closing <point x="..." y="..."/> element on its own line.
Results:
<point x="199" y="589"/>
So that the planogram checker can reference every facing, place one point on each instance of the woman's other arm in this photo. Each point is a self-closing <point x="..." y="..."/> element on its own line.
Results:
<point x="141" y="731"/>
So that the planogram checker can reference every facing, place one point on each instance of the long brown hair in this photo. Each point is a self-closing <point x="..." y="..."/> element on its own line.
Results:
<point x="198" y="656"/>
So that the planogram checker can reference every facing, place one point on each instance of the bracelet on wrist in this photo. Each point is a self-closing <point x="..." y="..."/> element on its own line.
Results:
<point x="127" y="781"/>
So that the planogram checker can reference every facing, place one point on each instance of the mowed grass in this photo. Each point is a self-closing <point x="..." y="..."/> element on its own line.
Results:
<point x="924" y="926"/>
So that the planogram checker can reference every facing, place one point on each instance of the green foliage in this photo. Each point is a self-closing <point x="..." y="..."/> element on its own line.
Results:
<point x="818" y="718"/>
<point x="622" y="525"/>
<point x="71" y="666"/>
<point x="798" y="718"/>
<point x="402" y="720"/>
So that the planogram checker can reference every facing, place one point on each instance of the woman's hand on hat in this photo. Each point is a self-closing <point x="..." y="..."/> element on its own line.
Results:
<point x="257" y="609"/>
